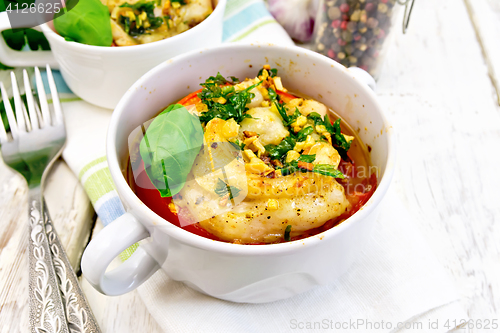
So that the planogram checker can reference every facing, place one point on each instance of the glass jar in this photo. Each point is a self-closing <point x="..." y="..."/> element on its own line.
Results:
<point x="357" y="32"/>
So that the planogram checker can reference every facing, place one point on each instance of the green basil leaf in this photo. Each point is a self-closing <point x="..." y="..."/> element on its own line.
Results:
<point x="328" y="170"/>
<point x="88" y="22"/>
<point x="169" y="148"/>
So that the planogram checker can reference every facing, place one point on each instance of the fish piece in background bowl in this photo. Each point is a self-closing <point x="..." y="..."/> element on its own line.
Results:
<point x="141" y="22"/>
<point x="101" y="74"/>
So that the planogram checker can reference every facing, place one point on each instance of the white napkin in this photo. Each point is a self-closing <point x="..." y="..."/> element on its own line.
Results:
<point x="396" y="280"/>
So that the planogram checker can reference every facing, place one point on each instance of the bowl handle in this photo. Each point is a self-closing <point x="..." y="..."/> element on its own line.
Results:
<point x="107" y="245"/>
<point x="363" y="76"/>
<point x="14" y="58"/>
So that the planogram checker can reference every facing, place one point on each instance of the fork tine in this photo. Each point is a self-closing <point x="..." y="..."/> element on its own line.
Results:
<point x="3" y="134"/>
<point x="31" y="102"/>
<point x="55" y="97"/>
<point x="43" y="100"/>
<point x="21" y="121"/>
<point x="10" y="113"/>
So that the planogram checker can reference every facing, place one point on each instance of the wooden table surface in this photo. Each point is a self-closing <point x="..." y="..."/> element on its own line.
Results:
<point x="438" y="86"/>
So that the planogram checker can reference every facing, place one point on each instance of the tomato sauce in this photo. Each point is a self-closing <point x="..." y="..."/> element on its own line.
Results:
<point x="359" y="183"/>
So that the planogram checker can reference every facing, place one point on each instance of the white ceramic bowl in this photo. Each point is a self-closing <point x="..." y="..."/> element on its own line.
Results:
<point x="101" y="75"/>
<point x="239" y="273"/>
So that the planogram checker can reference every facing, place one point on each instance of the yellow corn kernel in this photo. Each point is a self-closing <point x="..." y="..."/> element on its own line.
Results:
<point x="176" y="5"/>
<point x="300" y="121"/>
<point x="201" y="107"/>
<point x="230" y="129"/>
<point x="320" y="129"/>
<point x="274" y="109"/>
<point x="248" y="155"/>
<point x="114" y="13"/>
<point x="264" y="104"/>
<point x="254" y="145"/>
<point x="328" y="137"/>
<point x="249" y="141"/>
<point x="273" y="204"/>
<point x="348" y="137"/>
<point x="278" y="84"/>
<point x="172" y="208"/>
<point x="221" y="100"/>
<point x="260" y="148"/>
<point x="292" y="155"/>
<point x="264" y="92"/>
<point x="130" y="14"/>
<point x="143" y="16"/>
<point x="309" y="142"/>
<point x="299" y="146"/>
<point x="265" y="74"/>
<point x="166" y="6"/>
<point x="267" y="66"/>
<point x="257" y="167"/>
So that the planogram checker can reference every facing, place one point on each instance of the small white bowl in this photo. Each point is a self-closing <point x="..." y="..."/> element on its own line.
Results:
<point x="101" y="75"/>
<point x="239" y="273"/>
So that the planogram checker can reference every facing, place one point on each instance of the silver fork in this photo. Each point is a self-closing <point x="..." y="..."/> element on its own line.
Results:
<point x="35" y="141"/>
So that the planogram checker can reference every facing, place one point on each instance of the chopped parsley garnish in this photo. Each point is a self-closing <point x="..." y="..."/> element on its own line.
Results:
<point x="303" y="133"/>
<point x="276" y="152"/>
<point x="328" y="170"/>
<point x="223" y="101"/>
<point x="238" y="145"/>
<point x="339" y="142"/>
<point x="272" y="72"/>
<point x="273" y="96"/>
<point x="181" y="2"/>
<point x="135" y="26"/>
<point x="282" y="111"/>
<point x="287" y="232"/>
<point x="307" y="158"/>
<point x="222" y="189"/>
<point x="323" y="169"/>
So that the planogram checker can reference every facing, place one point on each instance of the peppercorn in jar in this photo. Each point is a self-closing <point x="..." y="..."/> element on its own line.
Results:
<point x="356" y="32"/>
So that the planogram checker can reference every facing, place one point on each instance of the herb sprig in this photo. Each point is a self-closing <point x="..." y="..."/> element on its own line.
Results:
<point x="223" y="101"/>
